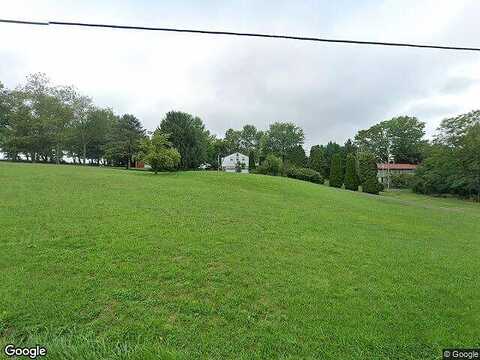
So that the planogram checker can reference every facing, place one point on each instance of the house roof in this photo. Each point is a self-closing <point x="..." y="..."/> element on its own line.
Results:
<point x="386" y="166"/>
<point x="236" y="154"/>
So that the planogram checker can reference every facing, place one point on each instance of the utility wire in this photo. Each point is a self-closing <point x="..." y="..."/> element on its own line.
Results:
<point x="230" y="33"/>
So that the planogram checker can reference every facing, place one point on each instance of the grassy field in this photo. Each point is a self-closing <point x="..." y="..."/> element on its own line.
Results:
<point x="114" y="264"/>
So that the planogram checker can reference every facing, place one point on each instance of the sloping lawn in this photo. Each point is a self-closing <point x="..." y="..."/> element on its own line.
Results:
<point x="113" y="264"/>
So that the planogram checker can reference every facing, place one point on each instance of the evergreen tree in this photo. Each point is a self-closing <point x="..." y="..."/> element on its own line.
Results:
<point x="351" y="176"/>
<point x="296" y="156"/>
<point x="317" y="160"/>
<point x="336" y="171"/>
<point x="330" y="149"/>
<point x="368" y="173"/>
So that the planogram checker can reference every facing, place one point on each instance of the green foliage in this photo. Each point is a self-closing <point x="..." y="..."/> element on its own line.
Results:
<point x="282" y="138"/>
<point x="232" y="141"/>
<point x="469" y="155"/>
<point x="452" y="167"/>
<point x="272" y="165"/>
<point x="349" y="148"/>
<point x="438" y="173"/>
<point x="157" y="153"/>
<point x="452" y="131"/>
<point x="189" y="136"/>
<point x="336" y="171"/>
<point x="367" y="172"/>
<point x="401" y="137"/>
<point x="124" y="140"/>
<point x="296" y="156"/>
<point x="372" y="186"/>
<point x="249" y="139"/>
<point x="305" y="174"/>
<point x="401" y="181"/>
<point x="351" y="177"/>
<point x="317" y="160"/>
<point x="331" y="149"/>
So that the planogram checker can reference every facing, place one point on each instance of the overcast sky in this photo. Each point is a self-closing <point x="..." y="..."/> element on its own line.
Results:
<point x="330" y="90"/>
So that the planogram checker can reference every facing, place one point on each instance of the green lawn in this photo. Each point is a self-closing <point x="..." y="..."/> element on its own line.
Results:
<point x="113" y="264"/>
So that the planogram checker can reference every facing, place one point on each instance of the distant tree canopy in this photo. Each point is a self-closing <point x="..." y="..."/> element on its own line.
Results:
<point x="189" y="136"/>
<point x="296" y="156"/>
<point x="452" y="131"/>
<point x="124" y="140"/>
<point x="453" y="162"/>
<point x="401" y="138"/>
<point x="283" y="138"/>
<point x="47" y="123"/>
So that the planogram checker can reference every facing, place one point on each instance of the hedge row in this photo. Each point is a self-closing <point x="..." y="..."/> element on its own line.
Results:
<point x="305" y="174"/>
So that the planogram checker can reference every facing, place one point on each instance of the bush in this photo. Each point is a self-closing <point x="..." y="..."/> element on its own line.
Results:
<point x="272" y="165"/>
<point x="351" y="176"/>
<point x="401" y="181"/>
<point x="419" y="185"/>
<point x="305" y="174"/>
<point x="336" y="171"/>
<point x="239" y="167"/>
<point x="372" y="186"/>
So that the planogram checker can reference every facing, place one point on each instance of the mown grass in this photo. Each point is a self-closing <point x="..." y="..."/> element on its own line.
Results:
<point x="110" y="264"/>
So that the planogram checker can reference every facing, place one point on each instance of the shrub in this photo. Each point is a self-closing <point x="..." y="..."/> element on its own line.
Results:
<point x="305" y="174"/>
<point x="372" y="186"/>
<point x="336" y="171"/>
<point x="272" y="165"/>
<point x="239" y="166"/>
<point x="351" y="176"/>
<point x="157" y="153"/>
<point x="401" y="181"/>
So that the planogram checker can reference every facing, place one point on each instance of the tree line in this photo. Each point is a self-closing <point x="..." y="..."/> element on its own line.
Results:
<point x="40" y="122"/>
<point x="452" y="159"/>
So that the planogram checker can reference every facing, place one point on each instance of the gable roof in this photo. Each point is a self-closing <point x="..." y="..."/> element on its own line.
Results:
<point x="236" y="154"/>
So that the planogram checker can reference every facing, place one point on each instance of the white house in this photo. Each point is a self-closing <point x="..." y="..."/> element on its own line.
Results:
<point x="229" y="163"/>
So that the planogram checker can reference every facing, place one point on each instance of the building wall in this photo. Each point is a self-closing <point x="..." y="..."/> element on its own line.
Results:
<point x="383" y="174"/>
<point x="229" y="162"/>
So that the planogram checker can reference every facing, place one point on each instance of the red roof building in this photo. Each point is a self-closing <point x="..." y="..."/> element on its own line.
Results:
<point x="385" y="166"/>
<point x="385" y="171"/>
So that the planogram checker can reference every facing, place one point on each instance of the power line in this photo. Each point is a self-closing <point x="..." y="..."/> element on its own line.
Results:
<point x="230" y="33"/>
